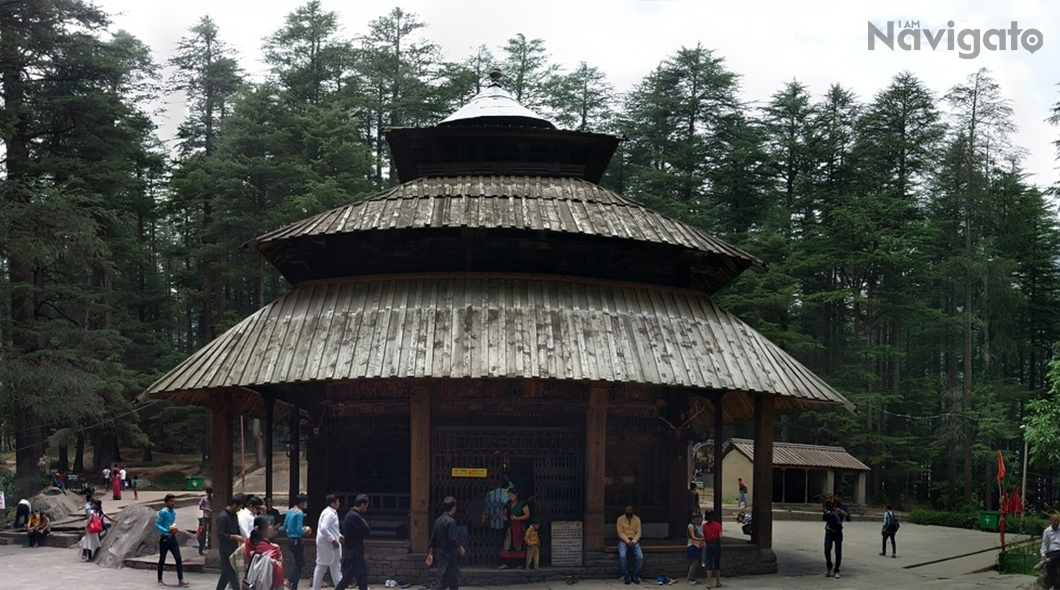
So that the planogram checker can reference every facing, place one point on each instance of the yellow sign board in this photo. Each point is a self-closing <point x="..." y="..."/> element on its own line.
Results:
<point x="479" y="472"/>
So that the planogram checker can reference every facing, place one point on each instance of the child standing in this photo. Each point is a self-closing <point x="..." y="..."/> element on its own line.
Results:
<point x="712" y="551"/>
<point x="532" y="540"/>
<point x="694" y="546"/>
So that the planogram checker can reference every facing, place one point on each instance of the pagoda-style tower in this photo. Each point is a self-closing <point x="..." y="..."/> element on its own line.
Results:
<point x="499" y="313"/>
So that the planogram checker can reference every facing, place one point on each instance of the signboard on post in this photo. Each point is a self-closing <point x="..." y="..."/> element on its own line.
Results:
<point x="567" y="543"/>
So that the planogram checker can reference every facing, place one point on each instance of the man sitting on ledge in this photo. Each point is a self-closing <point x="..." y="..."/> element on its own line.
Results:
<point x="629" y="540"/>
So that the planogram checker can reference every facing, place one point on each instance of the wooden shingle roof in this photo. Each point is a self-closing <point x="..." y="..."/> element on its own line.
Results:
<point x="802" y="455"/>
<point x="536" y="204"/>
<point x="497" y="326"/>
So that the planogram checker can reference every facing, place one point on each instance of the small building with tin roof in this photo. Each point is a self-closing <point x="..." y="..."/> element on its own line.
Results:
<point x="499" y="315"/>
<point x="802" y="474"/>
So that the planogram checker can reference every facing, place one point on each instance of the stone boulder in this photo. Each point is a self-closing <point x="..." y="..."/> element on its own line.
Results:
<point x="134" y="535"/>
<point x="61" y="508"/>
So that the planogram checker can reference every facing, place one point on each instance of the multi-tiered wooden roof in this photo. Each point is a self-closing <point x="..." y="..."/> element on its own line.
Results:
<point x="499" y="257"/>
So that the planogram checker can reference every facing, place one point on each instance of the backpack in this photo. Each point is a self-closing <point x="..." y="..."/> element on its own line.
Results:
<point x="892" y="527"/>
<point x="259" y="573"/>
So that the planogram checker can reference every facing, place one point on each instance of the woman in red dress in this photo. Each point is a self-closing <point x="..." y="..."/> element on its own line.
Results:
<point x="115" y="480"/>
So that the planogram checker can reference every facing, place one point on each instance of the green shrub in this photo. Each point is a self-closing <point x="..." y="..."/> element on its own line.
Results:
<point x="1027" y="525"/>
<point x="960" y="520"/>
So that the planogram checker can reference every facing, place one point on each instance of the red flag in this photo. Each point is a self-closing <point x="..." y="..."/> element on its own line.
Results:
<point x="1000" y="467"/>
<point x="1015" y="502"/>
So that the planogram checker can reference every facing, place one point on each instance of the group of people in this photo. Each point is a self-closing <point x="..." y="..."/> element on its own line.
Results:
<point x="508" y="512"/>
<point x="34" y="522"/>
<point x="95" y="526"/>
<point x="245" y="530"/>
<point x="118" y="479"/>
<point x="703" y="546"/>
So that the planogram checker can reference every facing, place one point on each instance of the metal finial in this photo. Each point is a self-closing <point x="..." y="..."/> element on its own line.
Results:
<point x="495" y="77"/>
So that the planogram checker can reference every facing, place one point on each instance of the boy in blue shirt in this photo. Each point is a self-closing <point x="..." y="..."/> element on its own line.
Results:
<point x="294" y="524"/>
<point x="167" y="529"/>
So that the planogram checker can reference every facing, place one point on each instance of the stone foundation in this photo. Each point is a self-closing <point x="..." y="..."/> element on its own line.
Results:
<point x="393" y="560"/>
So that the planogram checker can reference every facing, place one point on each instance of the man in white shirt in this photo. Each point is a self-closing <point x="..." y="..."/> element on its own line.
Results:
<point x="253" y="508"/>
<point x="329" y="543"/>
<point x="106" y="475"/>
<point x="22" y="512"/>
<point x="1050" y="550"/>
<point x="124" y="480"/>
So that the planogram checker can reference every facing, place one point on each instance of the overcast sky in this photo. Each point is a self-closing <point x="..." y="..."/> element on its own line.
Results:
<point x="766" y="43"/>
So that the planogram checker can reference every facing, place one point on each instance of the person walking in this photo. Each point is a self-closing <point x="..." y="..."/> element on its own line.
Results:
<point x="328" y="543"/>
<point x="1050" y="550"/>
<point x="294" y="525"/>
<point x="253" y="506"/>
<point x="741" y="499"/>
<point x="712" y="548"/>
<point x="354" y="529"/>
<point x="629" y="531"/>
<point x="229" y="538"/>
<point x="90" y="542"/>
<point x="445" y="549"/>
<point x="205" y="518"/>
<point x="833" y="517"/>
<point x="260" y="544"/>
<point x="890" y="527"/>
<point x="167" y="529"/>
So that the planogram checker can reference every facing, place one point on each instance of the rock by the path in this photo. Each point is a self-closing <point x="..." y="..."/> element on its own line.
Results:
<point x="58" y="506"/>
<point x="134" y="535"/>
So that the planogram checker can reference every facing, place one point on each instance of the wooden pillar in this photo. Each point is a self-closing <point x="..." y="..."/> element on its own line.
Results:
<point x="762" y="484"/>
<point x="719" y="420"/>
<point x="806" y="486"/>
<point x="221" y="452"/>
<point x="420" y="461"/>
<point x="270" y="424"/>
<point x="317" y="486"/>
<point x="294" y="424"/>
<point x="595" y="455"/>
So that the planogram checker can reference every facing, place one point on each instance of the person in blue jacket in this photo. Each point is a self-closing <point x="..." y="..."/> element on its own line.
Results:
<point x="294" y="524"/>
<point x="167" y="529"/>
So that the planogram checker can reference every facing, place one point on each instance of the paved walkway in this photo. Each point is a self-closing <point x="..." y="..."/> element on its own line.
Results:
<point x="798" y="546"/>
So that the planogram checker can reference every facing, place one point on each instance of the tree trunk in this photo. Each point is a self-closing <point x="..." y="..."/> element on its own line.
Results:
<point x="106" y="451"/>
<point x="64" y="458"/>
<point x="79" y="452"/>
<point x="259" y="442"/>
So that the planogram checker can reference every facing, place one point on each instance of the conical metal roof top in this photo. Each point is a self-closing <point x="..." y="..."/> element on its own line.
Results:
<point x="495" y="106"/>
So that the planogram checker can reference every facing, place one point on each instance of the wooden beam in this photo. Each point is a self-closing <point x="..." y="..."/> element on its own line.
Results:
<point x="719" y="421"/>
<point x="595" y="455"/>
<point x="270" y="423"/>
<point x="420" y="465"/>
<point x="221" y="452"/>
<point x="762" y="490"/>
<point x="294" y="424"/>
